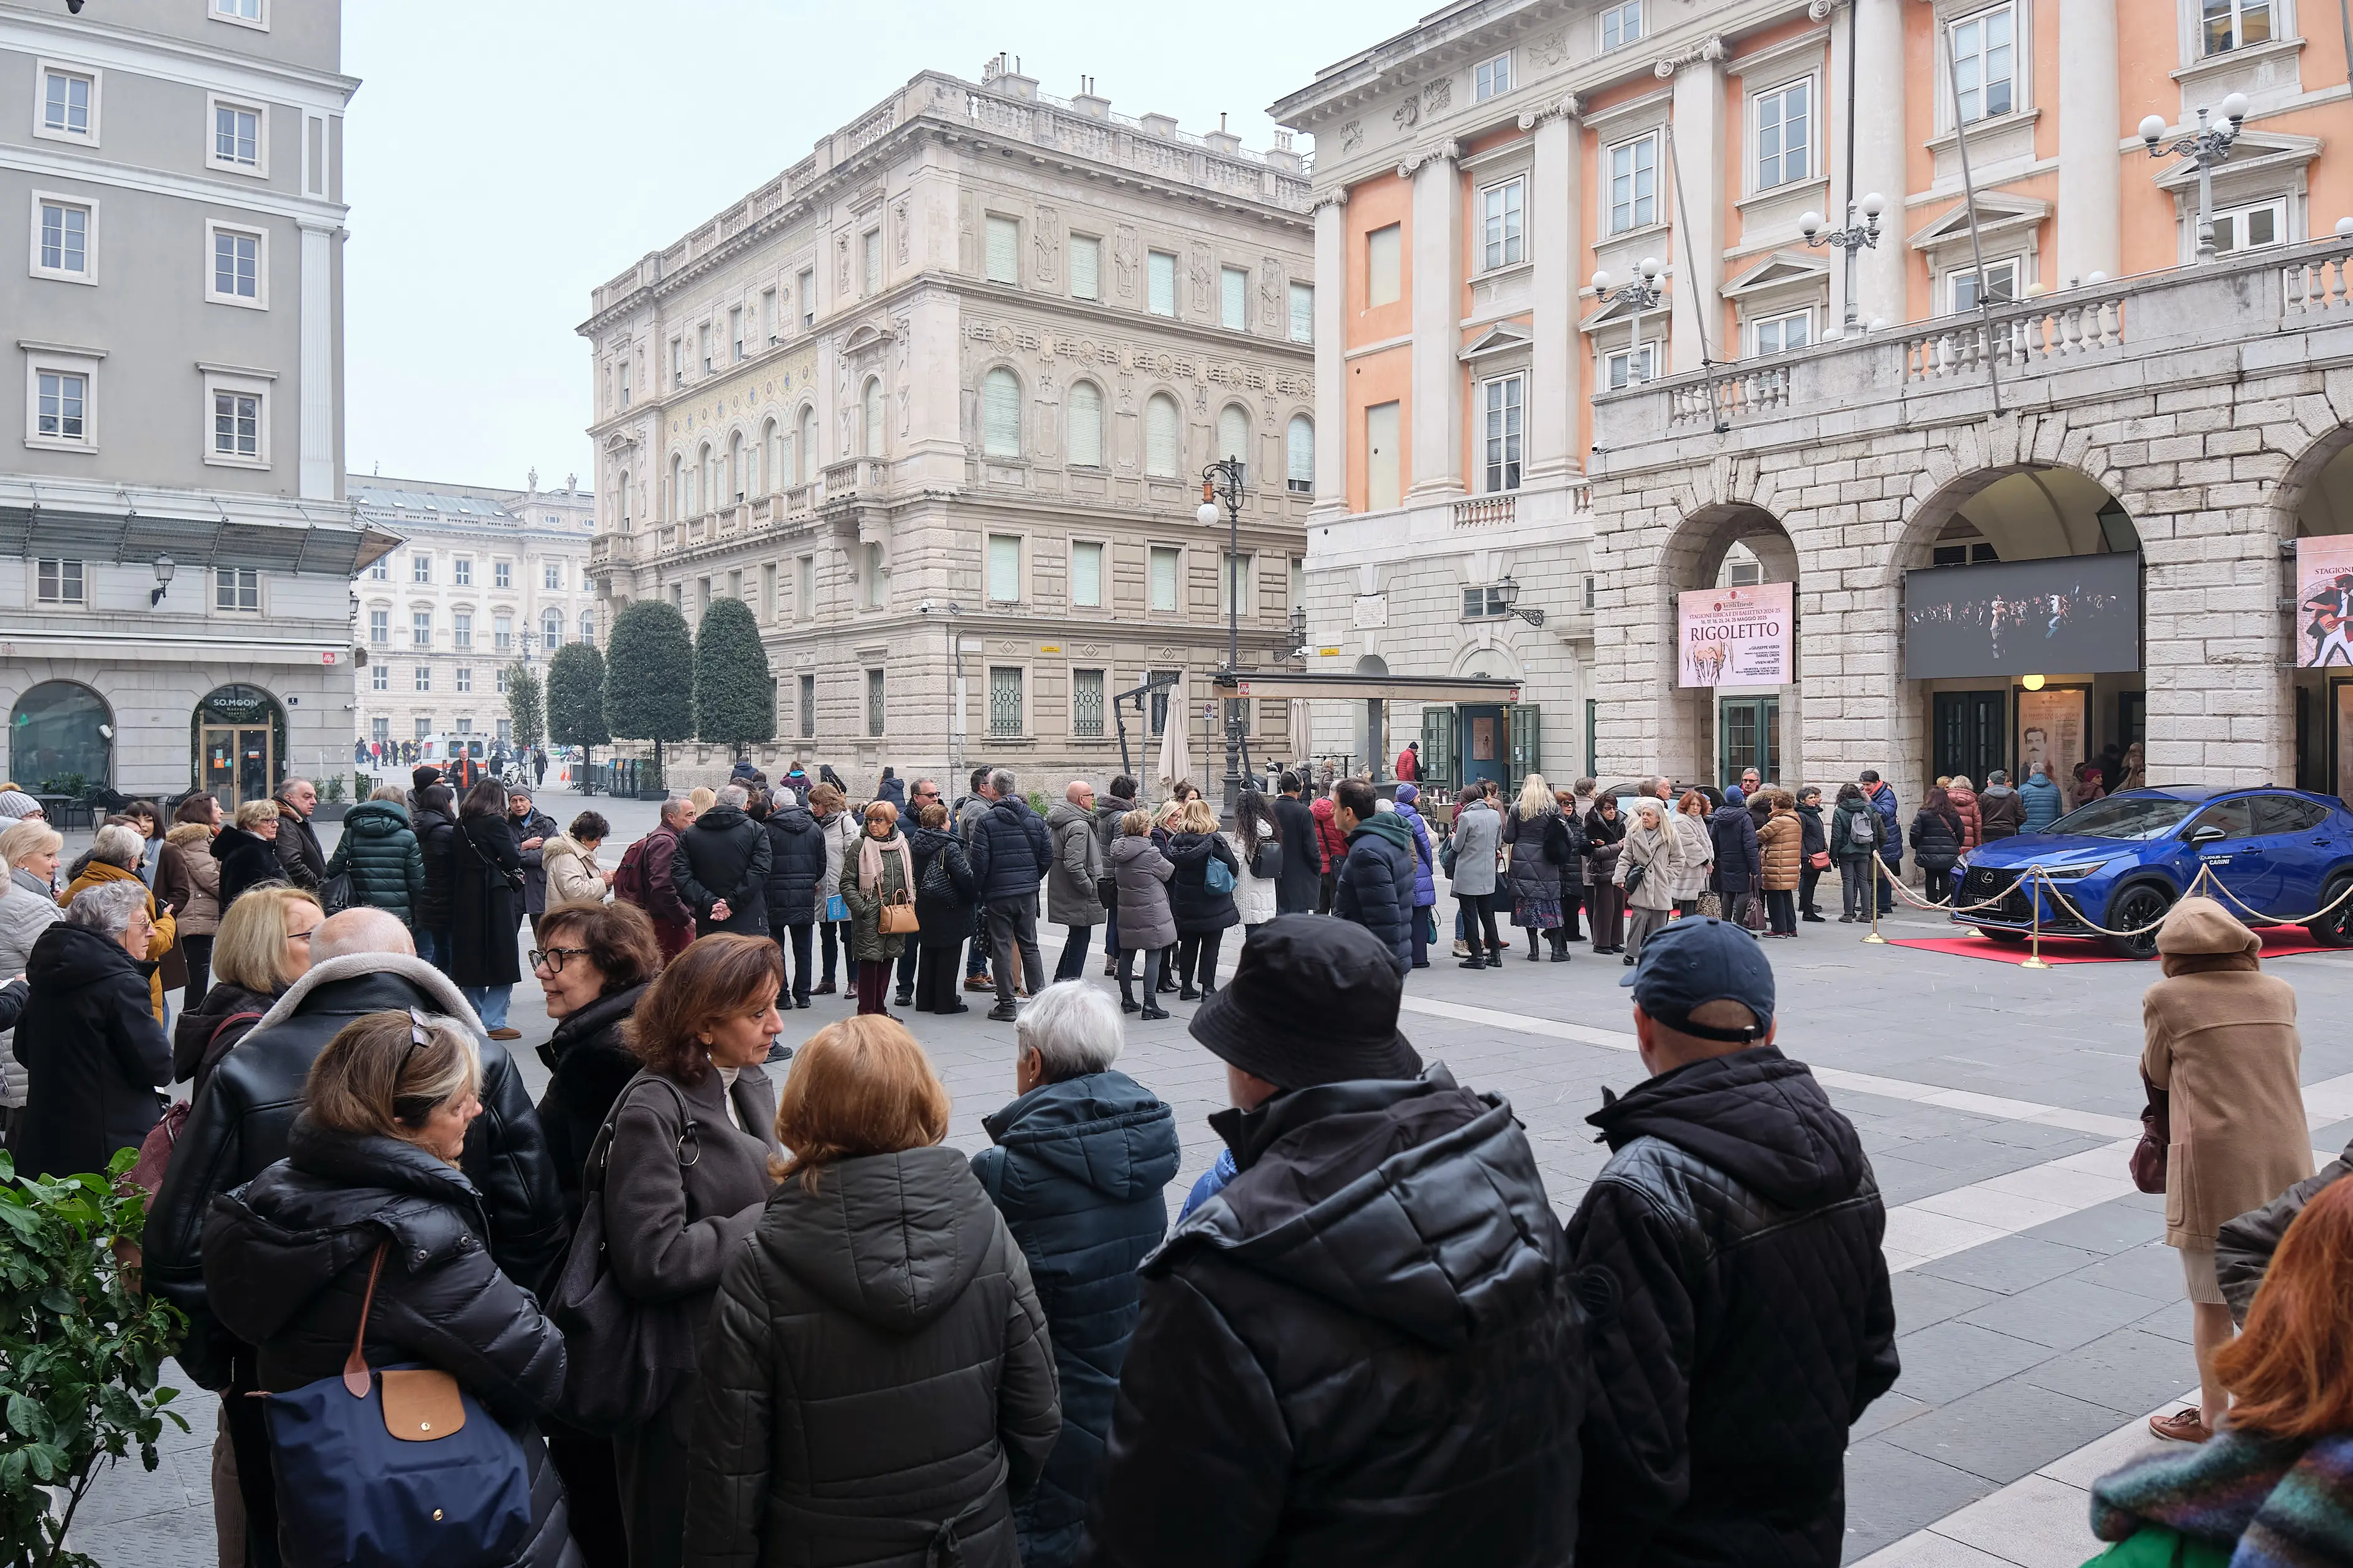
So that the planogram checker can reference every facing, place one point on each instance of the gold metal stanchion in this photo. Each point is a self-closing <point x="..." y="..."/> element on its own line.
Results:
<point x="2034" y="931"/>
<point x="1879" y="867"/>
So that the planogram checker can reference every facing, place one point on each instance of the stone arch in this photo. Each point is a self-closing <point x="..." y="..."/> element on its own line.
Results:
<point x="1728" y="513"/>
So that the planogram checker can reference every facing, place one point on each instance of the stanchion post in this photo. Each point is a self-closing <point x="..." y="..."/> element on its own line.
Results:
<point x="1880" y="869"/>
<point x="2035" y="931"/>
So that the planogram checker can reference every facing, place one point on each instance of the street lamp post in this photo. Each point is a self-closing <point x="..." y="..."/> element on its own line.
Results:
<point x="1507" y="593"/>
<point x="1222" y="481"/>
<point x="1644" y="294"/>
<point x="1854" y="239"/>
<point x="2207" y="146"/>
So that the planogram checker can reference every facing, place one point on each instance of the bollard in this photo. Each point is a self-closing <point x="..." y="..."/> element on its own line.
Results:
<point x="2034" y="927"/>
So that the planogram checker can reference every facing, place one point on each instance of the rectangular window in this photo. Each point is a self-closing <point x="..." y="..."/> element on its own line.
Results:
<point x="237" y="588"/>
<point x="380" y="680"/>
<point x="2002" y="284"/>
<point x="1492" y="79"/>
<point x="65" y="239"/>
<point x="1086" y="268"/>
<point x="702" y="344"/>
<point x="678" y="362"/>
<point x="2235" y="24"/>
<point x="462" y="571"/>
<point x="1621" y="24"/>
<point x="1005" y="567"/>
<point x="501" y="681"/>
<point x="1086" y="575"/>
<point x="1004" y="700"/>
<point x="420" y="568"/>
<point x="625" y="384"/>
<point x="380" y="628"/>
<point x="1164" y="577"/>
<point x="875" y="687"/>
<point x="1784" y="134"/>
<point x="805" y="588"/>
<point x="1500" y="218"/>
<point x="1160" y="283"/>
<point x="502" y="633"/>
<point x="237" y="424"/>
<point x="1233" y="299"/>
<point x="1087" y="702"/>
<point x="1160" y="696"/>
<point x="237" y="10"/>
<point x="237" y="265"/>
<point x="423" y="678"/>
<point x="876" y="578"/>
<point x="66" y="102"/>
<point x="1629" y="367"/>
<point x="381" y="570"/>
<point x="1004" y="250"/>
<point x="767" y="312"/>
<point x="808" y="706"/>
<point x="1779" y="335"/>
<point x="1381" y="466"/>
<point x="1501" y="414"/>
<point x="424" y="727"/>
<point x="1384" y="276"/>
<point x="805" y="290"/>
<point x="1484" y="604"/>
<point x="237" y="136"/>
<point x="870" y="259"/>
<point x="767" y="593"/>
<point x="551" y="575"/>
<point x="1298" y="583"/>
<point x="63" y="404"/>
<point x="420" y="628"/>
<point x="1235" y="582"/>
<point x="502" y="575"/>
<point x="2251" y="228"/>
<point x="1634" y="183"/>
<point x="1985" y="63"/>
<point x="62" y="582"/>
<point x="461" y="630"/>
<point x="1303" y="312"/>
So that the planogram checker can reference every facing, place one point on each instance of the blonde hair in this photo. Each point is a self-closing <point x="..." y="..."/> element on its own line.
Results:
<point x="1535" y="796"/>
<point x="861" y="1086"/>
<point x="1170" y="812"/>
<point x="1135" y="824"/>
<point x="250" y="948"/>
<point x="254" y="813"/>
<point x="377" y="1079"/>
<point x="389" y="792"/>
<point x="881" y="811"/>
<point x="29" y="836"/>
<point x="701" y="799"/>
<point x="823" y="799"/>
<point x="1199" y="817"/>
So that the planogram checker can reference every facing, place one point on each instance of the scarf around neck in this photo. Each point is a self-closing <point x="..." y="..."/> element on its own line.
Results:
<point x="2286" y="1505"/>
<point x="870" y="861"/>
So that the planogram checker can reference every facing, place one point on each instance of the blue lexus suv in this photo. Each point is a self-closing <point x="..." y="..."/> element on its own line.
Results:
<point x="2122" y="862"/>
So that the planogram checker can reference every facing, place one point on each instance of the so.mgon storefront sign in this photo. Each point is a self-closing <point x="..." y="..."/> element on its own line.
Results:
<point x="1735" y="636"/>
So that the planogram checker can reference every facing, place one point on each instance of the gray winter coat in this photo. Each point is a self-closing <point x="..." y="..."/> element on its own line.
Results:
<point x="1143" y="872"/>
<point x="26" y="909"/>
<point x="1478" y="835"/>
<point x="1532" y="875"/>
<point x="1078" y="861"/>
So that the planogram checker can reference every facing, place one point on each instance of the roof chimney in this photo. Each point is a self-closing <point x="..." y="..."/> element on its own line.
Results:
<point x="1089" y="103"/>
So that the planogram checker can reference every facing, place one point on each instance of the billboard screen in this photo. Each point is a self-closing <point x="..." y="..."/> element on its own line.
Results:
<point x="2324" y="597"/>
<point x="1736" y="637"/>
<point x="2067" y="615"/>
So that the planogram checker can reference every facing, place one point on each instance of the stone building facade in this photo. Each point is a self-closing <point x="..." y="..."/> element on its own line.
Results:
<point x="935" y="403"/>
<point x="176" y="546"/>
<point x="483" y="579"/>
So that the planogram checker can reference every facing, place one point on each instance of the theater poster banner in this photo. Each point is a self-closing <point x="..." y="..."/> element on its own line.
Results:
<point x="2324" y="598"/>
<point x="1736" y="637"/>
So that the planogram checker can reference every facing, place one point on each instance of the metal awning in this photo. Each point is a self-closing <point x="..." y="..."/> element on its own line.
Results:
<point x="1360" y="687"/>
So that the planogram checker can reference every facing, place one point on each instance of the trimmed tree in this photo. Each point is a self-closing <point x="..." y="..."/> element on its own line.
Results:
<point x="735" y="696"/>
<point x="576" y="697"/>
<point x="649" y="667"/>
<point x="523" y="704"/>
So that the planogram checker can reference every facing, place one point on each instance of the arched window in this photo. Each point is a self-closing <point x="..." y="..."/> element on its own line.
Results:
<point x="1086" y="425"/>
<point x="736" y="487"/>
<point x="1299" y="453"/>
<point x="588" y="625"/>
<point x="772" y="443"/>
<point x="1164" y="447"/>
<point x="551" y="629"/>
<point x="873" y="416"/>
<point x="1001" y="413"/>
<point x="56" y="735"/>
<point x="808" y="445"/>
<point x="1233" y="432"/>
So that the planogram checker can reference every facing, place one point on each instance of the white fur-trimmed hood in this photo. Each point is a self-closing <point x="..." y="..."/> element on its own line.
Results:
<point x="444" y="992"/>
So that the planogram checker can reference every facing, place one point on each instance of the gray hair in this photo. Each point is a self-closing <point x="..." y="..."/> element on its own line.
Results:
<point x="108" y="907"/>
<point x="292" y="784"/>
<point x="362" y="929"/>
<point x="734" y="795"/>
<point x="1074" y="1027"/>
<point x="1002" y="782"/>
<point x="1649" y="806"/>
<point x="393" y="793"/>
<point x="673" y="808"/>
<point x="118" y="844"/>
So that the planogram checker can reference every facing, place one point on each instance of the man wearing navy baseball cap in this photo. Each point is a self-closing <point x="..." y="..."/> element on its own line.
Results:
<point x="1740" y="1221"/>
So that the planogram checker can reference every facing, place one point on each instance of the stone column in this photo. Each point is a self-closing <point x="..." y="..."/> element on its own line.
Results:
<point x="1555" y="221"/>
<point x="320" y="460"/>
<point x="1879" y="156"/>
<point x="1437" y="442"/>
<point x="2091" y="176"/>
<point x="1693" y="190"/>
<point x="1331" y="367"/>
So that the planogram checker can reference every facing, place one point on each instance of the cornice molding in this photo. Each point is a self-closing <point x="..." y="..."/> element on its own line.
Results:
<point x="1707" y="51"/>
<point x="1446" y="152"/>
<point x="1568" y="108"/>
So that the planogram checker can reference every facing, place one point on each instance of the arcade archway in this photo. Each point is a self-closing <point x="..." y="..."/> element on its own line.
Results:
<point x="1730" y="694"/>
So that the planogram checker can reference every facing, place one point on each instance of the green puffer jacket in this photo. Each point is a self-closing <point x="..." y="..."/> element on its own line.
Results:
<point x="379" y="849"/>
<point x="867" y="942"/>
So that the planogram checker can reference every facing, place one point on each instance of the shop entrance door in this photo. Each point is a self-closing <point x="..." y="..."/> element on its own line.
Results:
<point x="239" y="764"/>
<point x="1749" y="732"/>
<point x="1970" y="730"/>
<point x="1485" y="741"/>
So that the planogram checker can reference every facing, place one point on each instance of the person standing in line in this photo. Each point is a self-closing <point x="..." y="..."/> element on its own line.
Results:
<point x="1070" y="876"/>
<point x="1108" y="812"/>
<point x="657" y="855"/>
<point x="301" y="860"/>
<point x="1735" y="1197"/>
<point x="881" y="873"/>
<point x="945" y="903"/>
<point x="795" y="894"/>
<point x="1544" y="851"/>
<point x="842" y="833"/>
<point x="2221" y="1041"/>
<point x="248" y="850"/>
<point x="485" y="907"/>
<point x="1334" y="846"/>
<point x="720" y="868"/>
<point x="114" y="855"/>
<point x="1605" y="842"/>
<point x="1478" y="845"/>
<point x="1814" y="846"/>
<point x="1078" y="1166"/>
<point x="1651" y="848"/>
<point x="922" y="792"/>
<point x="879" y="1388"/>
<point x="1855" y="826"/>
<point x="1967" y="809"/>
<point x="1258" y="848"/>
<point x="892" y="788"/>
<point x="1781" y="861"/>
<point x="1201" y="912"/>
<point x="2001" y="809"/>
<point x="533" y="830"/>
<point x="1936" y="846"/>
<point x="1147" y="925"/>
<point x="380" y="853"/>
<point x="1425" y="872"/>
<point x="1882" y="797"/>
<point x="434" y="820"/>
<point x="1738" y="860"/>
<point x="28" y="906"/>
<point x="1696" y="851"/>
<point x="570" y="858"/>
<point x="263" y="946"/>
<point x="1010" y="851"/>
<point x="1296" y="890"/>
<point x="188" y="880"/>
<point x="969" y="813"/>
<point x="2042" y="803"/>
<point x="673" y="1223"/>
<point x="1375" y="883"/>
<point x="91" y="1046"/>
<point x="593" y="968"/>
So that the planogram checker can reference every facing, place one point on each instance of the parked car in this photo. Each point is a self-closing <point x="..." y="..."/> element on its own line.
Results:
<point x="2120" y="862"/>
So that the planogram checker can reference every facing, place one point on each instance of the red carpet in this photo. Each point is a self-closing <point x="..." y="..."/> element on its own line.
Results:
<point x="2279" y="941"/>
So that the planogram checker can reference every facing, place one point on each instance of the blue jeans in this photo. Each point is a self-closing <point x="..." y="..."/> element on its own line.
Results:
<point x="433" y="947"/>
<point x="489" y="1004"/>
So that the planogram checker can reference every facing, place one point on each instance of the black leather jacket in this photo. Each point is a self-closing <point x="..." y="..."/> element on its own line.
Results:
<point x="2242" y="1251"/>
<point x="1740" y="1225"/>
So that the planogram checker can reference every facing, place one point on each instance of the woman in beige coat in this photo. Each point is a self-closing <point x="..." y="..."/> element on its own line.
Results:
<point x="2222" y="1042"/>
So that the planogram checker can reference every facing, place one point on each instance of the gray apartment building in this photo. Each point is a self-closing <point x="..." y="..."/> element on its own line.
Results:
<point x="176" y="551"/>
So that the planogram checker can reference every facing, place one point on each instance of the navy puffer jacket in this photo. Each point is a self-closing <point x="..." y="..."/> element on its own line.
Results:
<point x="796" y="863"/>
<point x="1078" y="1172"/>
<point x="1376" y="884"/>
<point x="1010" y="850"/>
<point x="1737" y="862"/>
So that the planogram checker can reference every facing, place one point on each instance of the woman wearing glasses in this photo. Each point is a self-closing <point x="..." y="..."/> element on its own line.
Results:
<point x="262" y="947"/>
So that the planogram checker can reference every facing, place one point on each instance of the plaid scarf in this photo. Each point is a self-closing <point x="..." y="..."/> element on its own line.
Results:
<point x="2285" y="1504"/>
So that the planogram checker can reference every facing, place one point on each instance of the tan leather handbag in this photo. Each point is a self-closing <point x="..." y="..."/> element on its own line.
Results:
<point x="899" y="915"/>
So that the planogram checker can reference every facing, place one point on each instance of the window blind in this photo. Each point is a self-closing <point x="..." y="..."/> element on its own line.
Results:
<point x="1164" y="578"/>
<point x="1303" y="312"/>
<point x="1160" y="436"/>
<point x="1162" y="283"/>
<point x="1086" y="574"/>
<point x="1005" y="567"/>
<point x="1233" y="433"/>
<point x="1086" y="269"/>
<point x="1234" y="300"/>
<point x="1004" y="250"/>
<point x="1086" y="425"/>
<point x="1000" y="415"/>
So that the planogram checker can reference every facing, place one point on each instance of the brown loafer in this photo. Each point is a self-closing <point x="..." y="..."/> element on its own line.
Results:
<point x="504" y="1034"/>
<point x="2184" y="1425"/>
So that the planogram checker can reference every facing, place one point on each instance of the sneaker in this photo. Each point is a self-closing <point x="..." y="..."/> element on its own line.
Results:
<point x="1628" y="960"/>
<point x="971" y="983"/>
<point x="1461" y="949"/>
<point x="2184" y="1425"/>
<point x="1003" y="1013"/>
<point x="1846" y="920"/>
<point x="503" y="1033"/>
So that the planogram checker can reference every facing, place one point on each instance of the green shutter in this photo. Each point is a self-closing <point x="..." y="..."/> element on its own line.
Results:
<point x="1439" y="763"/>
<point x="1528" y="740"/>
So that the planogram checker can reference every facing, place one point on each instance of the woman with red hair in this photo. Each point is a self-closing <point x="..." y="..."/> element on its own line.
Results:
<point x="2274" y="1486"/>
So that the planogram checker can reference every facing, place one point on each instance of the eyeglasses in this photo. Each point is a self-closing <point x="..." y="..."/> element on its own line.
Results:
<point x="551" y="958"/>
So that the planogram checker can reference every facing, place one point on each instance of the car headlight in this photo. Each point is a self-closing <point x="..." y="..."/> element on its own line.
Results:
<point x="2073" y="873"/>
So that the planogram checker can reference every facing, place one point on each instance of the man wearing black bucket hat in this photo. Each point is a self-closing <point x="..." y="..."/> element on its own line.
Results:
<point x="1739" y="1222"/>
<point x="1364" y="1347"/>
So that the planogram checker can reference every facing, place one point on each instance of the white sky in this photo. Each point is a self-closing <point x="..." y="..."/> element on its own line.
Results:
<point x="504" y="158"/>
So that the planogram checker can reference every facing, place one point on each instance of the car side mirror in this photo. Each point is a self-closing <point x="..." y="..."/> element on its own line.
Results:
<point x="2207" y="834"/>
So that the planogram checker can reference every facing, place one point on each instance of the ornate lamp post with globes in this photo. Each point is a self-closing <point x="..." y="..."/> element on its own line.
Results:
<point x="1222" y="481"/>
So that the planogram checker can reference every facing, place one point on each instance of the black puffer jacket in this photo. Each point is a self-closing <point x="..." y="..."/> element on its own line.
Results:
<point x="1738" y="861"/>
<point x="876" y="1384"/>
<point x="202" y="1037"/>
<point x="387" y="866"/>
<point x="436" y="840"/>
<point x="288" y="1257"/>
<point x="1010" y="850"/>
<point x="1364" y="1350"/>
<point x="724" y="854"/>
<point x="239" y="1127"/>
<point x="1935" y="840"/>
<point x="247" y="859"/>
<point x="942" y="922"/>
<point x="588" y="1063"/>
<point x="1740" y="1223"/>
<point x="796" y="864"/>
<point x="1195" y="909"/>
<point x="93" y="1054"/>
<point x="2242" y="1251"/>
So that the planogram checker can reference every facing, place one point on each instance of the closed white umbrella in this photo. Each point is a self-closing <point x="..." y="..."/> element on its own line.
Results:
<point x="1303" y="735"/>
<point x="1176" y="757"/>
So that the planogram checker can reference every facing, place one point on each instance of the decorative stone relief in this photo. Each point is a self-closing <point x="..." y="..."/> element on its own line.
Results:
<point x="1406" y="115"/>
<point x="1437" y="98"/>
<point x="1352" y="136"/>
<point x="1270" y="280"/>
<point x="1046" y="236"/>
<point x="841" y="259"/>
<point x="1123" y="259"/>
<point x="899" y="227"/>
<point x="1205" y="276"/>
<point x="1550" y="52"/>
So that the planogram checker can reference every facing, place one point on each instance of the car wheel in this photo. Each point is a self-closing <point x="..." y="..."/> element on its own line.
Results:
<point x="2137" y="910"/>
<point x="2335" y="928"/>
<point x="2001" y="934"/>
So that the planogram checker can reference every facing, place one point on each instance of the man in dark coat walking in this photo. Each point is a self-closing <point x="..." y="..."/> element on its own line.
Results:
<point x="1308" y="1382"/>
<point x="1303" y="855"/>
<point x="1010" y="850"/>
<point x="720" y="868"/>
<point x="300" y="854"/>
<point x="1376" y="884"/>
<point x="1739" y="1224"/>
<point x="1882" y="797"/>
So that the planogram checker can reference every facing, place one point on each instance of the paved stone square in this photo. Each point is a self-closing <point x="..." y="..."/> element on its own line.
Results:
<point x="2039" y="1316"/>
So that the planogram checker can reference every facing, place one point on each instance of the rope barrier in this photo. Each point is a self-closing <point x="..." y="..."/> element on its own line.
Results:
<point x="2035" y="873"/>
